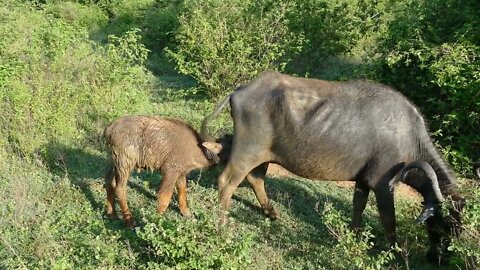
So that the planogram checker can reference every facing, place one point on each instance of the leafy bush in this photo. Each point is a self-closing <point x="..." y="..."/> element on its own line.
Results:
<point x="330" y="28"/>
<point x="467" y="246"/>
<point x="223" y="44"/>
<point x="91" y="17"/>
<point x="352" y="249"/>
<point x="158" y="22"/>
<point x="57" y="85"/>
<point x="195" y="244"/>
<point x="430" y="52"/>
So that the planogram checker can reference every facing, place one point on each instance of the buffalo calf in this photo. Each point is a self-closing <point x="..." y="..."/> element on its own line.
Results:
<point x="154" y="143"/>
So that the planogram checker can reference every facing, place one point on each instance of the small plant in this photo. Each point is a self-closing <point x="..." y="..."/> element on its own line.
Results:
<point x="467" y="245"/>
<point x="353" y="248"/>
<point x="194" y="244"/>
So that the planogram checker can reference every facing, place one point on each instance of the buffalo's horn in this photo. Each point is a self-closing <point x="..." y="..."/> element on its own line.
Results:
<point x="427" y="213"/>
<point x="430" y="207"/>
<point x="476" y="167"/>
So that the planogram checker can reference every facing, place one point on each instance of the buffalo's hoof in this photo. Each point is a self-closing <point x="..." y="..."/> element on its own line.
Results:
<point x="271" y="213"/>
<point x="436" y="257"/>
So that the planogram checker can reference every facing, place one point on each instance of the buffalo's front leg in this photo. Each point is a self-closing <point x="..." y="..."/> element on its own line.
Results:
<point x="386" y="210"/>
<point x="360" y="198"/>
<point x="384" y="196"/>
<point x="255" y="178"/>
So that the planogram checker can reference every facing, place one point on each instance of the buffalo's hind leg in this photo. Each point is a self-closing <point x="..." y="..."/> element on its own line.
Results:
<point x="228" y="182"/>
<point x="255" y="178"/>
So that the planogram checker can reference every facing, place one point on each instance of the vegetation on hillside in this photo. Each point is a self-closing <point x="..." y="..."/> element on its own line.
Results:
<point x="67" y="68"/>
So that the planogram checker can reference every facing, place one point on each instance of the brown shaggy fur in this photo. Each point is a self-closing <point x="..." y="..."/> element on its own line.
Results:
<point x="154" y="143"/>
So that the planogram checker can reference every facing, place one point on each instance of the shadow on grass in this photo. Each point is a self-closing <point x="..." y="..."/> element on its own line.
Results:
<point x="86" y="169"/>
<point x="301" y="230"/>
<point x="300" y="196"/>
<point x="299" y="203"/>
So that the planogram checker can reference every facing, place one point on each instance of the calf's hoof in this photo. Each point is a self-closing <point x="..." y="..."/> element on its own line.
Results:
<point x="112" y="216"/>
<point x="130" y="223"/>
<point x="222" y="222"/>
<point x="186" y="213"/>
<point x="161" y="209"/>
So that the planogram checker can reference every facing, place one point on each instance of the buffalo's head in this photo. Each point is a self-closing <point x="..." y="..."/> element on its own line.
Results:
<point x="441" y="227"/>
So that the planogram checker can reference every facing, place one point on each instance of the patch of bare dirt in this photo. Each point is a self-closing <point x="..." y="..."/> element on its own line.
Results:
<point x="402" y="189"/>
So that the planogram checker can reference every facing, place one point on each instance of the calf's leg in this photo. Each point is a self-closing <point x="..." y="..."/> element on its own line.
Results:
<point x="121" y="178"/>
<point x="182" y="195"/>
<point x="110" y="183"/>
<point x="165" y="191"/>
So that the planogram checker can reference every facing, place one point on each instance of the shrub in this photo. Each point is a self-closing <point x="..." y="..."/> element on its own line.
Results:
<point x="194" y="244"/>
<point x="467" y="246"/>
<point x="57" y="85"/>
<point x="48" y="223"/>
<point x="223" y="44"/>
<point x="157" y="20"/>
<point x="430" y="53"/>
<point x="352" y="249"/>
<point x="91" y="17"/>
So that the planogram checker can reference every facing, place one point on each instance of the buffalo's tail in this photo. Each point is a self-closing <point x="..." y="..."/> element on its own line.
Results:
<point x="218" y="108"/>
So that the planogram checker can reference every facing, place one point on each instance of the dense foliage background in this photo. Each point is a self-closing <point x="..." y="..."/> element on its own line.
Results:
<point x="67" y="68"/>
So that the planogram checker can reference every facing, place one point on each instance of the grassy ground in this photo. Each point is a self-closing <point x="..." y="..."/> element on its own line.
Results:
<point x="52" y="215"/>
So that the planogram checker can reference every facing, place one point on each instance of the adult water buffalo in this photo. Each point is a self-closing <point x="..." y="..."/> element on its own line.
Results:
<point x="358" y="131"/>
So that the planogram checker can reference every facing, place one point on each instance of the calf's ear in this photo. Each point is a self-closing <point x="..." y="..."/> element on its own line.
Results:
<point x="213" y="146"/>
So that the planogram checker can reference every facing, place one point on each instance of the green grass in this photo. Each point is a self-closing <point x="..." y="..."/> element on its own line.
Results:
<point x="52" y="213"/>
<point x="62" y="78"/>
